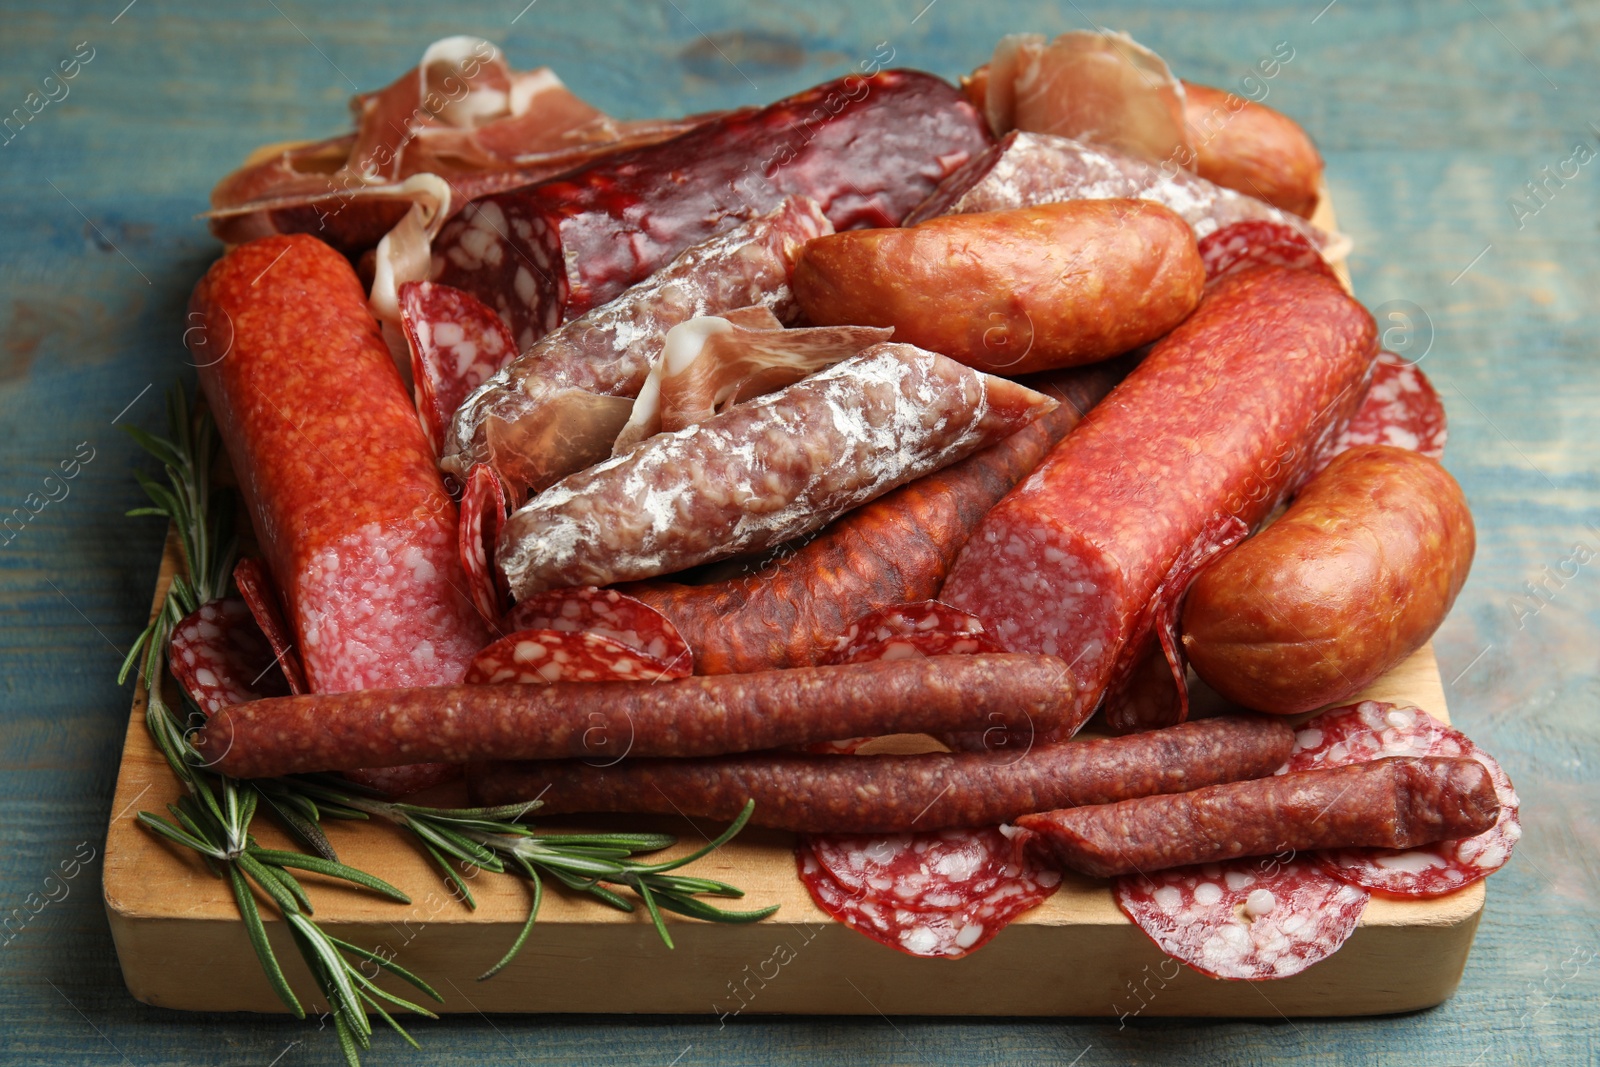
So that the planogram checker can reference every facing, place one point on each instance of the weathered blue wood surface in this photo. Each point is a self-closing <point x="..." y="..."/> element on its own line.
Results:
<point x="1431" y="118"/>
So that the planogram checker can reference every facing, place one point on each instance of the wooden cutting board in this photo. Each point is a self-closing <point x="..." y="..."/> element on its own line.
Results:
<point x="181" y="944"/>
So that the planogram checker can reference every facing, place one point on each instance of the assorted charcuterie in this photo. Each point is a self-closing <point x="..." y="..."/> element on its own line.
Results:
<point x="736" y="442"/>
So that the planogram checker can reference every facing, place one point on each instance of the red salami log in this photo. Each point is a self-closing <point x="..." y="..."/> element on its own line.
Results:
<point x="790" y="611"/>
<point x="687" y="717"/>
<point x="1025" y="169"/>
<point x="890" y="794"/>
<point x="1223" y="417"/>
<point x="778" y="467"/>
<point x="866" y="149"/>
<point x="347" y="505"/>
<point x="1401" y="802"/>
<point x="558" y="406"/>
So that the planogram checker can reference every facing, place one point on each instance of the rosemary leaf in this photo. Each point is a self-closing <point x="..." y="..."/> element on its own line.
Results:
<point x="258" y="938"/>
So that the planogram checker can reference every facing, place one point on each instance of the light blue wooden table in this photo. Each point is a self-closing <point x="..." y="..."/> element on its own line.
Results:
<point x="1432" y="119"/>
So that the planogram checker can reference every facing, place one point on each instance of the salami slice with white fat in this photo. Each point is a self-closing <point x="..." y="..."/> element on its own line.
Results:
<point x="606" y="613"/>
<point x="542" y="657"/>
<point x="457" y="342"/>
<point x="1373" y="730"/>
<point x="925" y="628"/>
<point x="1401" y="408"/>
<point x="483" y="512"/>
<point x="1259" y="242"/>
<point x="1248" y="919"/>
<point x="949" y="912"/>
<point x="221" y="657"/>
<point x="261" y="596"/>
<point x="927" y="871"/>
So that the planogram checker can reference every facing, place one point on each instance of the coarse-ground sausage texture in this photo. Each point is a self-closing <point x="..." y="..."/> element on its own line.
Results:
<point x="1354" y="577"/>
<point x="1012" y="292"/>
<point x="1223" y="417"/>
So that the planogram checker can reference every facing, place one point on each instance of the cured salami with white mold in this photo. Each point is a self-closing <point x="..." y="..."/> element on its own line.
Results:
<point x="1223" y="418"/>
<point x="763" y="472"/>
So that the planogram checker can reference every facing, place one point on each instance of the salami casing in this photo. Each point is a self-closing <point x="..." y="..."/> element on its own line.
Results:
<point x="866" y="149"/>
<point x="763" y="472"/>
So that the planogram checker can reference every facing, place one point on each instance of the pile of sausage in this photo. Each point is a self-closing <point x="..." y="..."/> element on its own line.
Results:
<point x="673" y="476"/>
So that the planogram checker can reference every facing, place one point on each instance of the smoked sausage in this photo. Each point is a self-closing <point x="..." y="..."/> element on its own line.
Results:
<point x="1250" y="147"/>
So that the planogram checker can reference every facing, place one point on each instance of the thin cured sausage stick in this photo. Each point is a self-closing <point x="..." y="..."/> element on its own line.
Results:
<point x="895" y="550"/>
<point x="608" y="720"/>
<point x="1400" y="802"/>
<point x="892" y="794"/>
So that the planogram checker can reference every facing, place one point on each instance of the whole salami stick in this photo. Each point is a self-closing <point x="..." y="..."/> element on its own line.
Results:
<point x="610" y="720"/>
<point x="1401" y="802"/>
<point x="891" y="794"/>
<point x="895" y="550"/>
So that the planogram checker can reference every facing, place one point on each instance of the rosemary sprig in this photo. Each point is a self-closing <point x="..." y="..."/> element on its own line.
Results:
<point x="214" y="817"/>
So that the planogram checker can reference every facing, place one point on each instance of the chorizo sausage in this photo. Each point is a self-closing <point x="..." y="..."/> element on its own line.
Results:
<point x="762" y="472"/>
<point x="867" y="149"/>
<point x="790" y="610"/>
<point x="1221" y="419"/>
<point x="1012" y="292"/>
<point x="605" y="720"/>
<point x="1350" y="580"/>
<point x="1400" y="802"/>
<point x="892" y="794"/>
<point x="1240" y="144"/>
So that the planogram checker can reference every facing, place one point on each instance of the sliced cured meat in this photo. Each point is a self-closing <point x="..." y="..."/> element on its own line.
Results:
<point x="1401" y="408"/>
<point x="953" y="919"/>
<point x="540" y="657"/>
<point x="1150" y="690"/>
<point x="606" y="613"/>
<point x="221" y="658"/>
<point x="937" y="870"/>
<point x="1215" y="422"/>
<point x="1096" y="86"/>
<point x="710" y="363"/>
<point x="1025" y="169"/>
<point x="872" y="635"/>
<point x="456" y="344"/>
<point x="1245" y="919"/>
<point x="763" y="472"/>
<point x="790" y="610"/>
<point x="1259" y="243"/>
<point x="559" y="406"/>
<point x="483" y="513"/>
<point x="255" y="586"/>
<point x="866" y="149"/>
<point x="1373" y="730"/>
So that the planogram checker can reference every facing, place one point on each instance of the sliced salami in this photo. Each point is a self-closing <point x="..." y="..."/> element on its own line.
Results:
<point x="945" y="917"/>
<point x="607" y="613"/>
<point x="927" y="628"/>
<point x="1373" y="730"/>
<point x="1258" y="242"/>
<point x="1150" y="690"/>
<point x="221" y="657"/>
<point x="926" y="871"/>
<point x="483" y="512"/>
<point x="1246" y="919"/>
<point x="261" y="595"/>
<point x="457" y="342"/>
<point x="1401" y="408"/>
<point x="546" y="656"/>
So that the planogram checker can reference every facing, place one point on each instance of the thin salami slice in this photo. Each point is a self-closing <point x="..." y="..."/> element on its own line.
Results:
<point x="483" y="512"/>
<point x="1248" y="919"/>
<point x="260" y="593"/>
<point x="607" y="613"/>
<point x="1372" y="730"/>
<point x="925" y="872"/>
<point x="456" y="343"/>
<point x="925" y="628"/>
<point x="1401" y="408"/>
<point x="1258" y="242"/>
<point x="221" y="657"/>
<point x="947" y="932"/>
<point x="1149" y="689"/>
<point x="545" y="656"/>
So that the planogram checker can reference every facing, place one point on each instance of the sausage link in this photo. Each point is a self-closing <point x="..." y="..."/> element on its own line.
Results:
<point x="1243" y="145"/>
<point x="1400" y="802"/>
<point x="607" y="720"/>
<point x="1352" y="579"/>
<point x="892" y="794"/>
